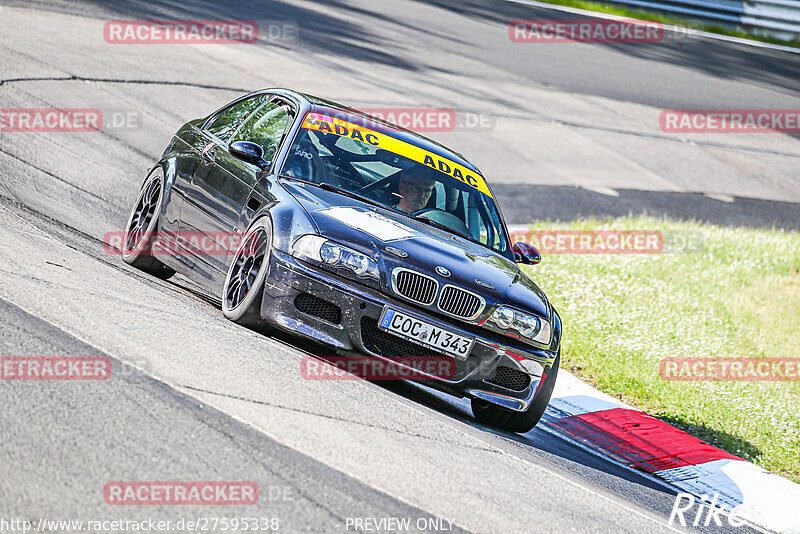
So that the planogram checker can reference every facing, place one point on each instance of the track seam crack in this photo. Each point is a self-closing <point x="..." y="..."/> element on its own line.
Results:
<point x="50" y="174"/>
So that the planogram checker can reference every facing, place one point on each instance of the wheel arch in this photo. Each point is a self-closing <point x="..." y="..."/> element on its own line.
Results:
<point x="289" y="218"/>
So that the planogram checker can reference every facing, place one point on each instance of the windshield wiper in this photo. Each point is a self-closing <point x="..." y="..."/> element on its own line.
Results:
<point x="334" y="189"/>
<point x="440" y="226"/>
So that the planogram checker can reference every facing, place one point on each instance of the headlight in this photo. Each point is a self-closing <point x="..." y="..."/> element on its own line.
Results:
<point x="322" y="250"/>
<point x="330" y="253"/>
<point x="529" y="326"/>
<point x="503" y="317"/>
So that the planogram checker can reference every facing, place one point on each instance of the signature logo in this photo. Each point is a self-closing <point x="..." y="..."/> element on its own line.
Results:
<point x="442" y="271"/>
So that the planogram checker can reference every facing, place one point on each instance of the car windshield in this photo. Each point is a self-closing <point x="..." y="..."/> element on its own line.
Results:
<point x="370" y="163"/>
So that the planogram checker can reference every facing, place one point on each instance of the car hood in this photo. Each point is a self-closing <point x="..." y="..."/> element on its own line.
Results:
<point x="382" y="233"/>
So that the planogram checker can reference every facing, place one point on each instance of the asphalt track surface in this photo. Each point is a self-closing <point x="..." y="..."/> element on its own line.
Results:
<point x="194" y="397"/>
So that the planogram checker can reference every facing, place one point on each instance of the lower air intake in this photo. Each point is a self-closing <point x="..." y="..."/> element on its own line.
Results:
<point x="509" y="378"/>
<point x="317" y="307"/>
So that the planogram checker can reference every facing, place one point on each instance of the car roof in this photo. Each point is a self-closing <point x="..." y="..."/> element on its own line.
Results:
<point x="328" y="107"/>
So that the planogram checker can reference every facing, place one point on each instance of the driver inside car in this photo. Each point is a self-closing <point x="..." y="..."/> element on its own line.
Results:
<point x="416" y="189"/>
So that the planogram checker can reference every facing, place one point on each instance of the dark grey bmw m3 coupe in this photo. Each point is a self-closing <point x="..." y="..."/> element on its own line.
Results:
<point x="362" y="236"/>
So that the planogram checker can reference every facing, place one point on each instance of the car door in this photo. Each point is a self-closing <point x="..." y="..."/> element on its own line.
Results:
<point x="205" y="207"/>
<point x="225" y="183"/>
<point x="267" y="127"/>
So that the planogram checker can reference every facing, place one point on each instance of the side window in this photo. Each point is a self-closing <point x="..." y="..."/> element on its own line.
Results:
<point x="224" y="124"/>
<point x="265" y="127"/>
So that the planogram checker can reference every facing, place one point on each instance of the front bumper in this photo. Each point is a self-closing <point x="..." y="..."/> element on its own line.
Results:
<point x="356" y="331"/>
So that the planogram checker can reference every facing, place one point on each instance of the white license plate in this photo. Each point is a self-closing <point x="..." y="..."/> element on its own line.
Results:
<point x="425" y="334"/>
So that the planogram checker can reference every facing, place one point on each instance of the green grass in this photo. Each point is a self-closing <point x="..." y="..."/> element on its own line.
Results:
<point x="737" y="295"/>
<point x="672" y="20"/>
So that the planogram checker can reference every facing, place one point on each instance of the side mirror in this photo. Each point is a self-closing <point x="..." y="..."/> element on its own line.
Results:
<point x="249" y="153"/>
<point x="525" y="253"/>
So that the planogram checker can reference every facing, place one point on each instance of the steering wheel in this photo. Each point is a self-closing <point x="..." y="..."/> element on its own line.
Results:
<point x="445" y="218"/>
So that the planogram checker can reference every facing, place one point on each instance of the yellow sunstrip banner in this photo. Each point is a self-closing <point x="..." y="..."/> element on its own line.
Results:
<point x="323" y="123"/>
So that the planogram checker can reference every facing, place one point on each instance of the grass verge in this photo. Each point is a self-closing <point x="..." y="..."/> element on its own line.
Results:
<point x="672" y="20"/>
<point x="737" y="294"/>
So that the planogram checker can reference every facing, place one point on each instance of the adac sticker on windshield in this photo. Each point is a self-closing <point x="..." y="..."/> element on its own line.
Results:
<point x="323" y="123"/>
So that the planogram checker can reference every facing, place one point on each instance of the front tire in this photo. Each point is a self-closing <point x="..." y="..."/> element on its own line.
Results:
<point x="521" y="422"/>
<point x="244" y="284"/>
<point x="142" y="227"/>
